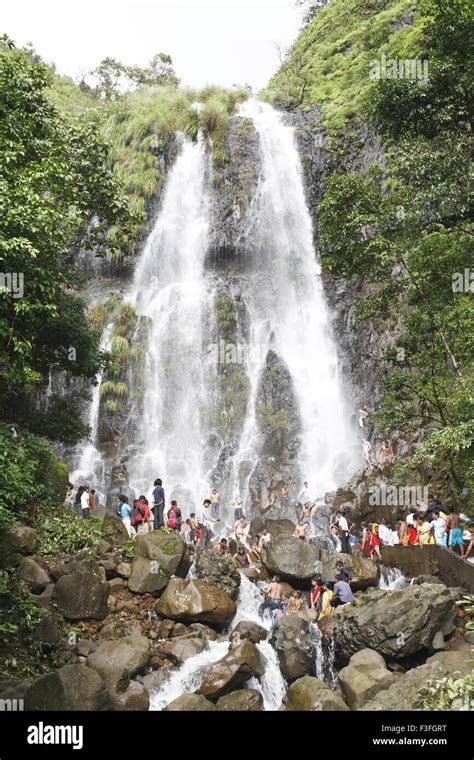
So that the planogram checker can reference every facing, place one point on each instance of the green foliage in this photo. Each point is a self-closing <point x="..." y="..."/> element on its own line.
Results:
<point x="19" y="613"/>
<point x="329" y="63"/>
<point x="275" y="421"/>
<point x="30" y="475"/>
<point x="405" y="233"/>
<point x="448" y="693"/>
<point x="53" y="179"/>
<point x="61" y="532"/>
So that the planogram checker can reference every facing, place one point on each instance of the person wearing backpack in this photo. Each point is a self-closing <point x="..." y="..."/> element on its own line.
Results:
<point x="175" y="517"/>
<point x="136" y="517"/>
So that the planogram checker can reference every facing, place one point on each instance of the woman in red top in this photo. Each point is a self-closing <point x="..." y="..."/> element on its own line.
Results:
<point x="315" y="592"/>
<point x="374" y="540"/>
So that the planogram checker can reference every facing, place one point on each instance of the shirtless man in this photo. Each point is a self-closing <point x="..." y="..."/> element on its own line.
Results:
<point x="215" y="504"/>
<point x="301" y="531"/>
<point x="306" y="513"/>
<point x="239" y="526"/>
<point x="273" y="596"/>
<point x="254" y="551"/>
<point x="454" y="531"/>
<point x="402" y="529"/>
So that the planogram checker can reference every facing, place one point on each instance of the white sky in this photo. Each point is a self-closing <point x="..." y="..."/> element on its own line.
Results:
<point x="220" y="41"/>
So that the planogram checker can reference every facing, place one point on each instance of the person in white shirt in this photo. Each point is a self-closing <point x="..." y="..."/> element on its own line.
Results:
<point x="410" y="520"/>
<point x="264" y="538"/>
<point x="439" y="527"/>
<point x="203" y="517"/>
<point x="385" y="533"/>
<point x="303" y="495"/>
<point x="85" y="502"/>
<point x="344" y="528"/>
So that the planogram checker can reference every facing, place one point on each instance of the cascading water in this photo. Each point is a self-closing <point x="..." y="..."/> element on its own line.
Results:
<point x="88" y="462"/>
<point x="288" y="312"/>
<point x="324" y="656"/>
<point x="170" y="289"/>
<point x="391" y="579"/>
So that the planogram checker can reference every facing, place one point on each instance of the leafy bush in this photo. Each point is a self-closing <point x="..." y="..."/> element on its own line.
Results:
<point x="447" y="693"/>
<point x="31" y="476"/>
<point x="63" y="533"/>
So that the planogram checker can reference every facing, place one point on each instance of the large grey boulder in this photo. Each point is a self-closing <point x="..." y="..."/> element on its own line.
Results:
<point x="193" y="601"/>
<point x="134" y="698"/>
<point x="242" y="700"/>
<point x="15" y="544"/>
<point x="157" y="556"/>
<point x="219" y="571"/>
<point x="404" y="693"/>
<point x="73" y="687"/>
<point x="364" y="677"/>
<point x="190" y="703"/>
<point x="297" y="562"/>
<point x="311" y="694"/>
<point x="181" y="649"/>
<point x="232" y="671"/>
<point x="81" y="596"/>
<point x="247" y="630"/>
<point x="291" y="639"/>
<point x="130" y="654"/>
<point x="396" y="624"/>
<point x="31" y="571"/>
<point x="292" y="559"/>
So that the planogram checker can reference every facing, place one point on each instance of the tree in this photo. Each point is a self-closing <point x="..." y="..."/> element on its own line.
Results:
<point x="53" y="181"/>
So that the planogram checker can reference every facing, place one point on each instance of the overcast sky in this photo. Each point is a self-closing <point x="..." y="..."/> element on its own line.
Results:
<point x="222" y="41"/>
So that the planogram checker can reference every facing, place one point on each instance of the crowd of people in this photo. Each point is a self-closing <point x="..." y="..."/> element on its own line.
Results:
<point x="424" y="524"/>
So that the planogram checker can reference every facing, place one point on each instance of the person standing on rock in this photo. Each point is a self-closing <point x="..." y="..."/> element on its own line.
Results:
<point x="344" y="528"/>
<point x="453" y="527"/>
<point x="215" y="504"/>
<point x="315" y="592"/>
<point x="265" y="538"/>
<point x="239" y="529"/>
<point x="439" y="529"/>
<point x="303" y="496"/>
<point x="85" y="502"/>
<point x="301" y="531"/>
<point x="237" y="507"/>
<point x="305" y="515"/>
<point x="77" y="501"/>
<point x="158" y="504"/>
<point x="175" y="517"/>
<point x="273" y="597"/>
<point x="385" y="532"/>
<point x="125" y="514"/>
<point x="204" y="523"/>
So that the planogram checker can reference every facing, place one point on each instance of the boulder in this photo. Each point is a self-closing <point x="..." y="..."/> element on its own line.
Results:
<point x="242" y="700"/>
<point x="291" y="639"/>
<point x="292" y="559"/>
<point x="73" y="687"/>
<point x="48" y="632"/>
<point x="113" y="530"/>
<point x="13" y="688"/>
<point x="190" y="702"/>
<point x="193" y="601"/>
<point x="396" y="624"/>
<point x="219" y="571"/>
<point x="124" y="570"/>
<point x="364" y="677"/>
<point x="404" y="693"/>
<point x="158" y="556"/>
<point x="15" y="544"/>
<point x="33" y="574"/>
<point x="311" y="694"/>
<point x="203" y="631"/>
<point x="147" y="577"/>
<point x="180" y="650"/>
<point x="232" y="671"/>
<point x="129" y="654"/>
<point x="247" y="630"/>
<point x="365" y="572"/>
<point x="134" y="698"/>
<point x="81" y="596"/>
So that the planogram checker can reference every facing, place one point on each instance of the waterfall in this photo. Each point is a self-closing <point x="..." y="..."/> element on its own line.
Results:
<point x="248" y="603"/>
<point x="88" y="461"/>
<point x="391" y="579"/>
<point x="288" y="311"/>
<point x="271" y="685"/>
<point x="324" y="656"/>
<point x="188" y="677"/>
<point x="170" y="290"/>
